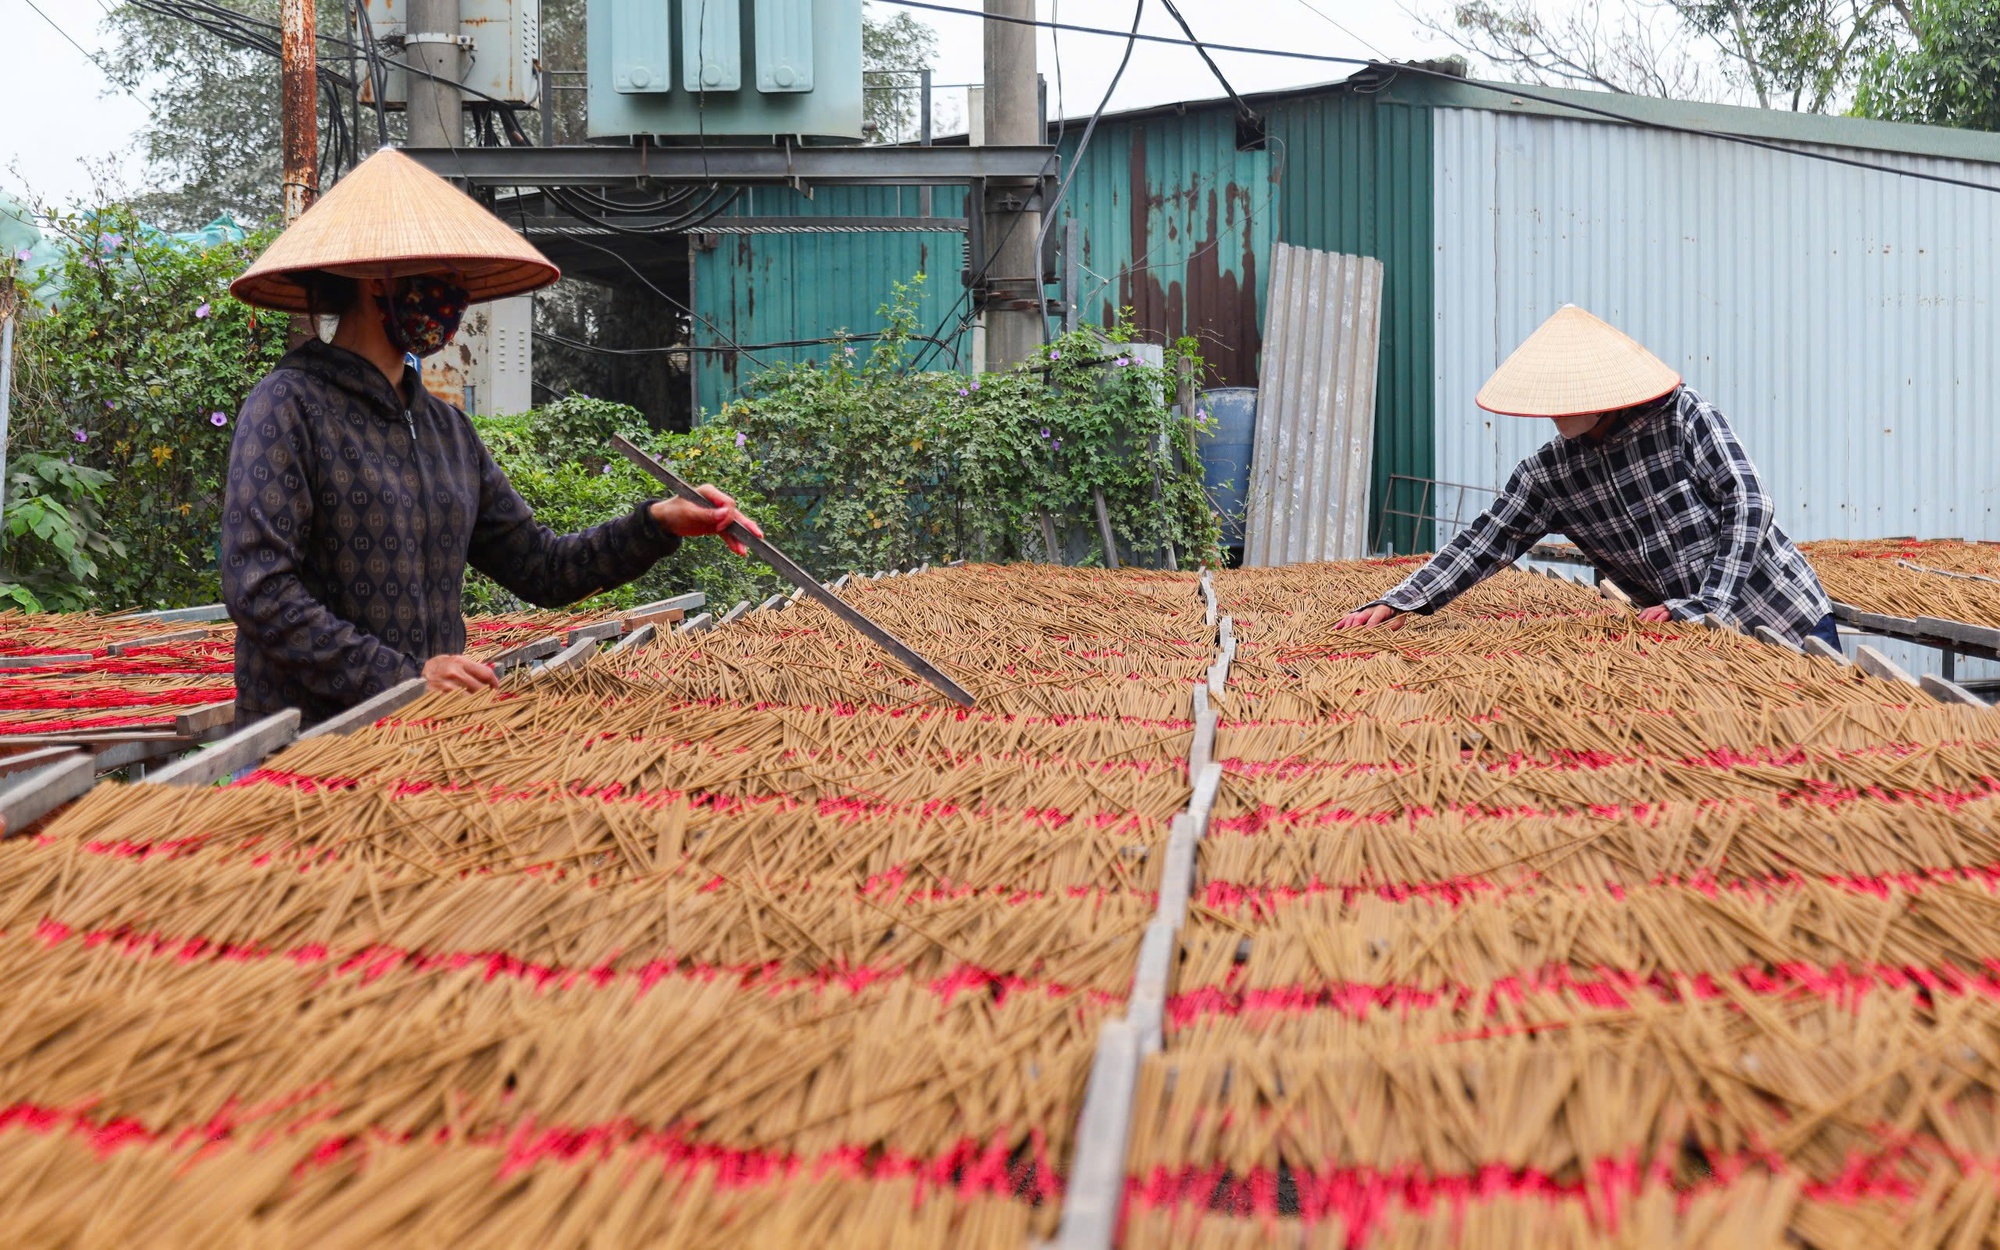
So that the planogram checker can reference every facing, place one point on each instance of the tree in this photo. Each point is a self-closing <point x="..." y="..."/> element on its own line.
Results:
<point x="1803" y="55"/>
<point x="1946" y="74"/>
<point x="892" y="51"/>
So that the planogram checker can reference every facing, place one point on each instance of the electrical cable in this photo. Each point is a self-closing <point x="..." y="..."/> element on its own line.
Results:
<point x="1396" y="67"/>
<point x="648" y="282"/>
<point x="1349" y="31"/>
<point x="1242" y="110"/>
<point x="826" y="341"/>
<point x="90" y="56"/>
<point x="1090" y="128"/>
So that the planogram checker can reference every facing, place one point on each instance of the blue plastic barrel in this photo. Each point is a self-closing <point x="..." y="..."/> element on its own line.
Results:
<point x="1225" y="453"/>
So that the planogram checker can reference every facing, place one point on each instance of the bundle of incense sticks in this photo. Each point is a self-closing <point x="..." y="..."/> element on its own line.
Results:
<point x="1530" y="924"/>
<point x="1958" y="581"/>
<point x="737" y="938"/>
<point x="149" y="682"/>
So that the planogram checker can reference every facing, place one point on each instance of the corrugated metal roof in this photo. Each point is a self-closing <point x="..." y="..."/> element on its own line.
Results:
<point x="1315" y="409"/>
<point x="1843" y="319"/>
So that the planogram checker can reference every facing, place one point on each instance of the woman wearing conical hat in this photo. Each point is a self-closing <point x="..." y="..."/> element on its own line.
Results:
<point x="1645" y="477"/>
<point x="355" y="499"/>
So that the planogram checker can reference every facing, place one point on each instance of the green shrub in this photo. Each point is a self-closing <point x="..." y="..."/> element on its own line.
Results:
<point x="559" y="458"/>
<point x="884" y="467"/>
<point x="125" y="375"/>
<point x="54" y="534"/>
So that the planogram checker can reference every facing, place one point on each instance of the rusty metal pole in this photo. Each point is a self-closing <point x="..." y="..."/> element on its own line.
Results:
<point x="298" y="78"/>
<point x="298" y="91"/>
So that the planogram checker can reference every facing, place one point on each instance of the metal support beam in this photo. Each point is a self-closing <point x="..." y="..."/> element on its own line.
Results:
<point x="298" y="89"/>
<point x="584" y="165"/>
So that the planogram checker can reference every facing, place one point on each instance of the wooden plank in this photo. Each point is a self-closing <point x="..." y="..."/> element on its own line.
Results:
<point x="575" y="653"/>
<point x="156" y="640"/>
<point x="205" y="718"/>
<point x="1104" y="534"/>
<point x="1766" y="634"/>
<point x="166" y="616"/>
<point x="698" y="625"/>
<point x="35" y="794"/>
<point x="664" y="616"/>
<point x="597" y="632"/>
<point x="1095" y="1193"/>
<point x="369" y="710"/>
<point x="838" y="582"/>
<point x="677" y="603"/>
<point x="1817" y="647"/>
<point x="775" y="603"/>
<point x="1959" y="631"/>
<point x="1875" y="664"/>
<point x="742" y="607"/>
<point x="1715" y="622"/>
<point x="1613" y="591"/>
<point x="94" y="737"/>
<point x="125" y="754"/>
<point x="245" y="748"/>
<point x="636" y="639"/>
<point x="1201" y="749"/>
<point x="43" y="661"/>
<point x="514" y="657"/>
<point x="40" y="757"/>
<point x="1949" y="691"/>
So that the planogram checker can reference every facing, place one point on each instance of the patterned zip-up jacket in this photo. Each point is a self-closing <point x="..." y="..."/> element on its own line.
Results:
<point x="343" y="554"/>
<point x="1668" y="506"/>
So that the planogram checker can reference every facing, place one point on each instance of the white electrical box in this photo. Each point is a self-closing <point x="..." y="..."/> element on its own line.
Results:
<point x="503" y="49"/>
<point x="488" y="367"/>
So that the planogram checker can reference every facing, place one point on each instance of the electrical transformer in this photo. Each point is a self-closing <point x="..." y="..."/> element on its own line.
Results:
<point x="725" y="71"/>
<point x="502" y="41"/>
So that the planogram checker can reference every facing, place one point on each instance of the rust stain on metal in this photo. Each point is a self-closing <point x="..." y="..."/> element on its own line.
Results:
<point x="1179" y="282"/>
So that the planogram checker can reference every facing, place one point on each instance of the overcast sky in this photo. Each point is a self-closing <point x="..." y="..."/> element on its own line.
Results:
<point x="58" y="112"/>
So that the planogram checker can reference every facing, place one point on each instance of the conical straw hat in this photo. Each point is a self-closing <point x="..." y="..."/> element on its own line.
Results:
<point x="1572" y="365"/>
<point x="390" y="217"/>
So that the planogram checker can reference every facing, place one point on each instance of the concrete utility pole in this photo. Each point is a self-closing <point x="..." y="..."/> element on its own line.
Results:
<point x="432" y="47"/>
<point x="298" y="83"/>
<point x="1013" y="116"/>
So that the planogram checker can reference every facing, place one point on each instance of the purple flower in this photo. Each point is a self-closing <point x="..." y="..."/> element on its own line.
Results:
<point x="848" y="350"/>
<point x="22" y="255"/>
<point x="216" y="418"/>
<point x="81" y="437"/>
<point x="1058" y="444"/>
<point x="740" y="439"/>
<point x="1045" y="431"/>
<point x="201" y="312"/>
<point x="113" y="240"/>
<point x="109" y="404"/>
<point x="1200" y="415"/>
<point x="1120" y="362"/>
<point x="1055" y="354"/>
<point x="975" y="386"/>
<point x="962" y="391"/>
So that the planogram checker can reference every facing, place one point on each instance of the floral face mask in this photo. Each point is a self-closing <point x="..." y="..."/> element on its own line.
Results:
<point x="422" y="313"/>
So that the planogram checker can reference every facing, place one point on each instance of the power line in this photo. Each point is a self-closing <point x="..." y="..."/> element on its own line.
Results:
<point x="90" y="56"/>
<point x="1393" y="68"/>
<point x="1322" y="14"/>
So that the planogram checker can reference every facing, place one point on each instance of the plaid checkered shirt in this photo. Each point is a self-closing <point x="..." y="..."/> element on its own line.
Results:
<point x="1668" y="506"/>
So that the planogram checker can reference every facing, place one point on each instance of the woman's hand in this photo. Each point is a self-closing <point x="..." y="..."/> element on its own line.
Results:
<point x="1656" y="615"/>
<point x="1369" y="618"/>
<point x="456" y="672"/>
<point x="691" y="520"/>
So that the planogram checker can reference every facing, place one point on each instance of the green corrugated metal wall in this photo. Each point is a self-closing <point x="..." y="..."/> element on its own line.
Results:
<point x="1357" y="179"/>
<point x="1176" y="225"/>
<point x="778" y="288"/>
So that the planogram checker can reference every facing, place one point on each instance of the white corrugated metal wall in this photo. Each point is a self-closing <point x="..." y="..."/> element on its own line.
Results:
<point x="1842" y="318"/>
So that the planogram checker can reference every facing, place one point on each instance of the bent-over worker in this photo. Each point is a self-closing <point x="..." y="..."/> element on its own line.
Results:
<point x="1645" y="477"/>
<point x="355" y="498"/>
